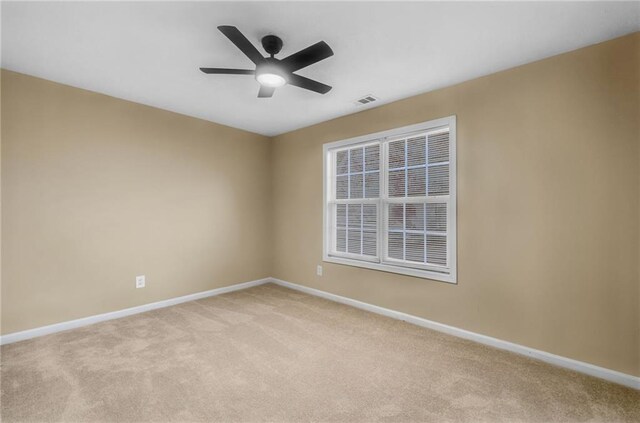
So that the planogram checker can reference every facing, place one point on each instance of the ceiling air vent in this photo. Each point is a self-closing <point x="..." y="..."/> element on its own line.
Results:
<point x="365" y="100"/>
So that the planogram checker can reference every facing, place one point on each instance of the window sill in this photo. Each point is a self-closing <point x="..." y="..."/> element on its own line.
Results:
<point x="418" y="273"/>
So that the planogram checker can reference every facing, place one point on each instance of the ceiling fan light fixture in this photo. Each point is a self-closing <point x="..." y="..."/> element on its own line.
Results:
<point x="270" y="72"/>
<point x="271" y="80"/>
<point x="270" y="76"/>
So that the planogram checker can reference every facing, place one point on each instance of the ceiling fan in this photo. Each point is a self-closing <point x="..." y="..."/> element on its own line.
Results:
<point x="270" y="72"/>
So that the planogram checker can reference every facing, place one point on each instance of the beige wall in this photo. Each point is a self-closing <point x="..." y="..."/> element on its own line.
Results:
<point x="97" y="190"/>
<point x="548" y="213"/>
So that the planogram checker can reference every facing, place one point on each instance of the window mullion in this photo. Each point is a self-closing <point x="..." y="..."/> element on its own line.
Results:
<point x="426" y="192"/>
<point x="384" y="192"/>
<point x="406" y="194"/>
<point x="348" y="173"/>
<point x="424" y="225"/>
<point x="364" y="191"/>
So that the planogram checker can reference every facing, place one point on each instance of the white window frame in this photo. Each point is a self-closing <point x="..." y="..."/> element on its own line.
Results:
<point x="419" y="270"/>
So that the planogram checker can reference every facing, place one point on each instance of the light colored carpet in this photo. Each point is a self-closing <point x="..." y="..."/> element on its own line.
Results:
<point x="273" y="354"/>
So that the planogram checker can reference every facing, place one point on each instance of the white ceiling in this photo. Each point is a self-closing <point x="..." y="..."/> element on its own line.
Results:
<point x="149" y="52"/>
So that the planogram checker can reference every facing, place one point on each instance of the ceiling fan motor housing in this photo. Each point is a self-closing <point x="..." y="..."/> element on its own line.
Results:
<point x="272" y="44"/>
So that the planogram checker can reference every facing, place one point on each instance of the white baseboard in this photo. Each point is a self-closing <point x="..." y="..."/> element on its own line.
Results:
<point x="579" y="366"/>
<point x="72" y="324"/>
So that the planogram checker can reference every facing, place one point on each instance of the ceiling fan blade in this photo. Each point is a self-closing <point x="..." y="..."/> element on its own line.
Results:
<point x="310" y="55"/>
<point x="265" y="92"/>
<point x="308" y="84"/>
<point x="242" y="43"/>
<point x="228" y="71"/>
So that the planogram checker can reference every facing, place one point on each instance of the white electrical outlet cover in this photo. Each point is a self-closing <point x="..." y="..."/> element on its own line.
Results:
<point x="140" y="281"/>
<point x="319" y="271"/>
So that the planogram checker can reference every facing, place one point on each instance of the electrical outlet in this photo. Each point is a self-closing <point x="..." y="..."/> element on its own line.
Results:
<point x="140" y="281"/>
<point x="319" y="270"/>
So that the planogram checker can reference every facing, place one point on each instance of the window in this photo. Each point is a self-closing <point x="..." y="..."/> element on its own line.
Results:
<point x="390" y="201"/>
